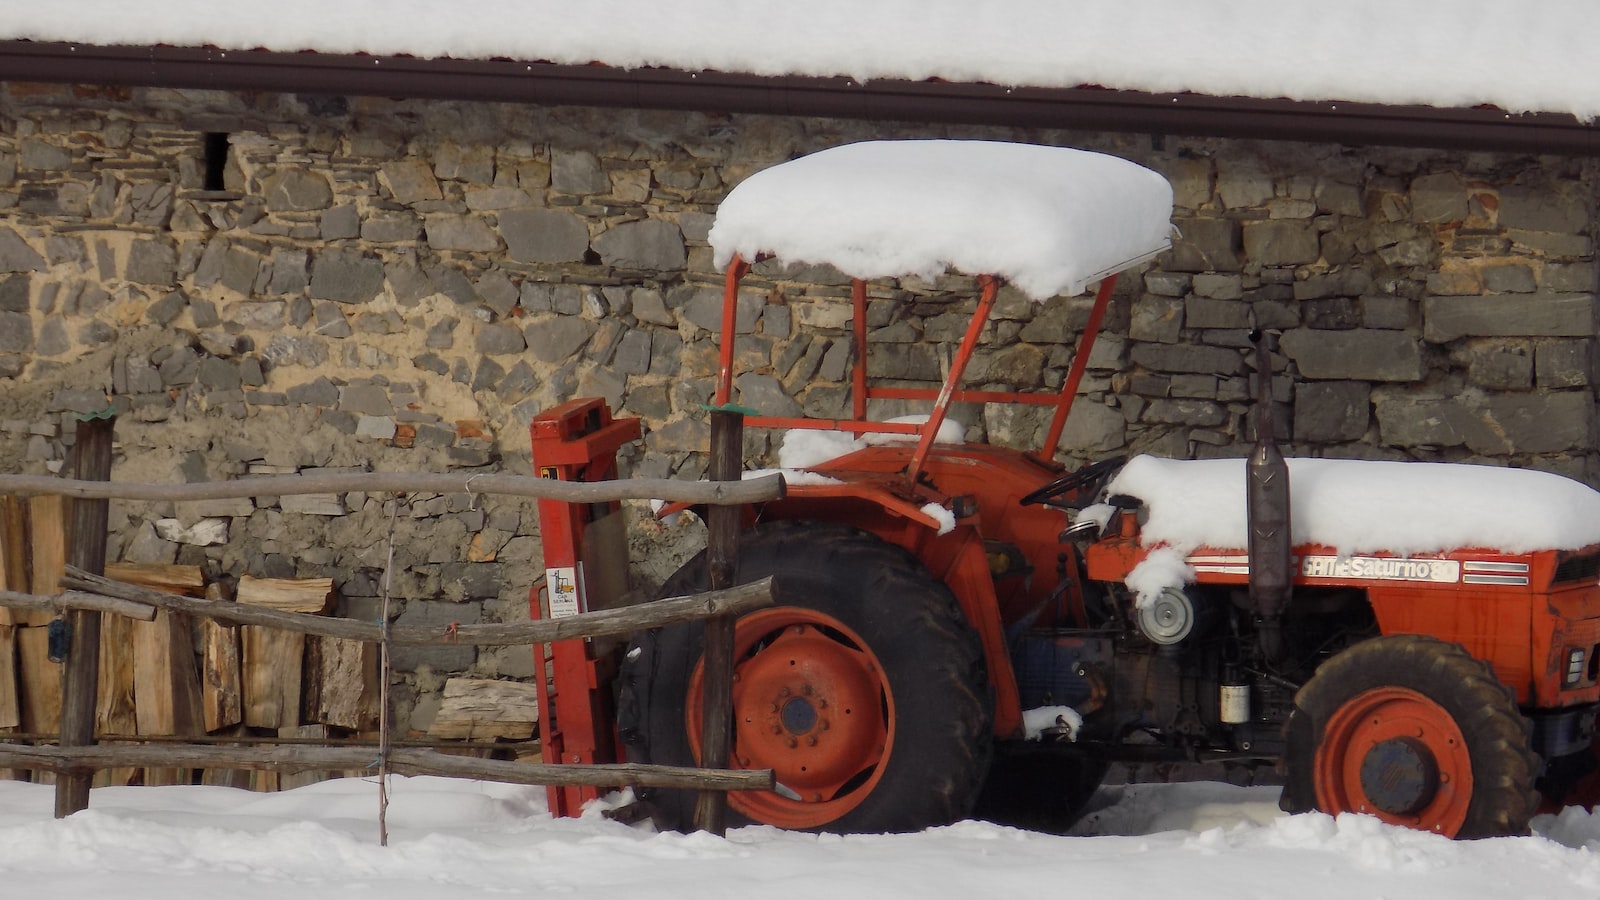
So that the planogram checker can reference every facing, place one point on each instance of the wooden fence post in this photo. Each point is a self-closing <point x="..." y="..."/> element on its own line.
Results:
<point x="87" y="550"/>
<point x="722" y="557"/>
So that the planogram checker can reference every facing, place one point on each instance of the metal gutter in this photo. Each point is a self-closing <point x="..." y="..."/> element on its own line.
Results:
<point x="543" y="83"/>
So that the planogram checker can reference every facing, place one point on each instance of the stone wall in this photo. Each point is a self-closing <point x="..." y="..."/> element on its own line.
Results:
<point x="274" y="283"/>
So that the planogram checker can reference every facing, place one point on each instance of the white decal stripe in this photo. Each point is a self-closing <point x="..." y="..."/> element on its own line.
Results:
<point x="1480" y="565"/>
<point x="1495" y="579"/>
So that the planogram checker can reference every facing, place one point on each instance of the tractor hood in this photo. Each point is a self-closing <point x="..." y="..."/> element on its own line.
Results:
<point x="1365" y="506"/>
<point x="1049" y="220"/>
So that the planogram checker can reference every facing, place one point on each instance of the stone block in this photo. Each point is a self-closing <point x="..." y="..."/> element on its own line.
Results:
<point x="341" y="223"/>
<point x="1187" y="358"/>
<point x="1539" y="314"/>
<point x="1203" y="244"/>
<point x="1202" y="313"/>
<point x="1438" y="198"/>
<point x="16" y="332"/>
<point x="152" y="262"/>
<point x="578" y="172"/>
<point x="1218" y="287"/>
<point x="1564" y="364"/>
<point x="1501" y="365"/>
<point x="1361" y="354"/>
<point x="652" y="244"/>
<point x="346" y="276"/>
<point x="1497" y="426"/>
<point x="1164" y="411"/>
<point x="1093" y="428"/>
<point x="16" y="255"/>
<point x="1539" y="208"/>
<point x="1330" y="411"/>
<point x="409" y="181"/>
<point x="499" y="338"/>
<point x="1157" y="319"/>
<point x="296" y="190"/>
<point x="544" y="235"/>
<point x="1281" y="243"/>
<point x="1511" y="278"/>
<point x="391" y="228"/>
<point x="1339" y="198"/>
<point x="1167" y="284"/>
<point x="557" y="339"/>
<point x="464" y="233"/>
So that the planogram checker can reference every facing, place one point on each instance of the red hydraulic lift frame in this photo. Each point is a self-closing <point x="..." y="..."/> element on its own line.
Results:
<point x="576" y="441"/>
<point x="946" y="394"/>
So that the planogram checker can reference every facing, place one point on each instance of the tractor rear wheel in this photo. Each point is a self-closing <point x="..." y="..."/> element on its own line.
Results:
<point x="1417" y="732"/>
<point x="863" y="689"/>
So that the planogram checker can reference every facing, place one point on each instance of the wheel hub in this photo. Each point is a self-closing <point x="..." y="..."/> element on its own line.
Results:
<point x="811" y="703"/>
<point x="1395" y="753"/>
<point x="1399" y="776"/>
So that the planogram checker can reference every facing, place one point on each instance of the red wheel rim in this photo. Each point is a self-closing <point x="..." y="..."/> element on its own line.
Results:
<point x="811" y="703"/>
<point x="1394" y="753"/>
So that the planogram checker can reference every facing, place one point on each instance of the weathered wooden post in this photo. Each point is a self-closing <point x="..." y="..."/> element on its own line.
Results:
<point x="722" y="557"/>
<point x="87" y="550"/>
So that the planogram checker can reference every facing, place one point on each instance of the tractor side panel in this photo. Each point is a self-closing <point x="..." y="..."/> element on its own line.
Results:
<point x="1493" y="625"/>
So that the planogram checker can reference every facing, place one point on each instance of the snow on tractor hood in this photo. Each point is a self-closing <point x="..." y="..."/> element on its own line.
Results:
<point x="1049" y="220"/>
<point x="1365" y="506"/>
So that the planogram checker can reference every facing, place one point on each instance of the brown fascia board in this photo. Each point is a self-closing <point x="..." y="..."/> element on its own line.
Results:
<point x="542" y="83"/>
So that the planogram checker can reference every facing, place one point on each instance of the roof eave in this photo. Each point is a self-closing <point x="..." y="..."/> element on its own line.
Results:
<point x="721" y="92"/>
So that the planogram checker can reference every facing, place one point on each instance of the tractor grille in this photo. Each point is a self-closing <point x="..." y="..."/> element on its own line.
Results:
<point x="1577" y="568"/>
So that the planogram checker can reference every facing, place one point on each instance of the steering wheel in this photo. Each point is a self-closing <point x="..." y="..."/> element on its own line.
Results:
<point x="1095" y="474"/>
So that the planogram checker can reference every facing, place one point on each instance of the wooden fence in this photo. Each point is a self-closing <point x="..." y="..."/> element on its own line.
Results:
<point x="86" y="594"/>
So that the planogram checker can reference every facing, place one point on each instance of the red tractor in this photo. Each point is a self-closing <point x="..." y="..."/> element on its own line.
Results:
<point x="959" y="625"/>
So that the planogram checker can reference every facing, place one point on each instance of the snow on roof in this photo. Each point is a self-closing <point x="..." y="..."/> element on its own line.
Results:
<point x="1449" y="53"/>
<point x="1365" y="506"/>
<point x="1049" y="220"/>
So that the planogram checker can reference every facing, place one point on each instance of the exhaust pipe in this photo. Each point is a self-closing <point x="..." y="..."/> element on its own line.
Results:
<point x="1267" y="509"/>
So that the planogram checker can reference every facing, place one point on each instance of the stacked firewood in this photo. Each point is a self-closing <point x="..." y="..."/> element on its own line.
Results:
<point x="174" y="677"/>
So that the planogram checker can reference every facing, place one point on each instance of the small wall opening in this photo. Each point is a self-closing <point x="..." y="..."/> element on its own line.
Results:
<point x="215" y="157"/>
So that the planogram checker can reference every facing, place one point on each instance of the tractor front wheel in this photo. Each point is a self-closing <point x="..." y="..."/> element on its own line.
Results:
<point x="863" y="689"/>
<point x="1417" y="732"/>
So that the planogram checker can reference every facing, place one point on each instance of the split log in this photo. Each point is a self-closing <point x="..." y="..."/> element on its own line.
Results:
<point x="166" y="685"/>
<point x="401" y="761"/>
<point x="114" y="708"/>
<point x="296" y="595"/>
<point x="14" y="575"/>
<point x="10" y="712"/>
<point x="736" y="600"/>
<point x="480" y="709"/>
<point x="346" y="683"/>
<point x="270" y="660"/>
<point x="47" y="549"/>
<point x="39" y="681"/>
<point x="172" y="579"/>
<point x="221" y="688"/>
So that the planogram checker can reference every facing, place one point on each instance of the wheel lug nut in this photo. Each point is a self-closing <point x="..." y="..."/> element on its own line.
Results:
<point x="776" y="729"/>
<point x="784" y="691"/>
<point x="811" y="741"/>
<point x="822" y="724"/>
<point x="793" y="743"/>
<point x="806" y="689"/>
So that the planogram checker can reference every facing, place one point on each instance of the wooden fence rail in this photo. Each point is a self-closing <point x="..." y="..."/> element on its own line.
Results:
<point x="754" y="490"/>
<point x="88" y="591"/>
<point x="403" y="761"/>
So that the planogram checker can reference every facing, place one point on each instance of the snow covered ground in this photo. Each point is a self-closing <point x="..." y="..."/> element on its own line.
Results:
<point x="460" y="838"/>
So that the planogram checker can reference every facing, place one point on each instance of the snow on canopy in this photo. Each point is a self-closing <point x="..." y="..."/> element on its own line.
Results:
<point x="1365" y="506"/>
<point x="1448" y="53"/>
<point x="1050" y="220"/>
